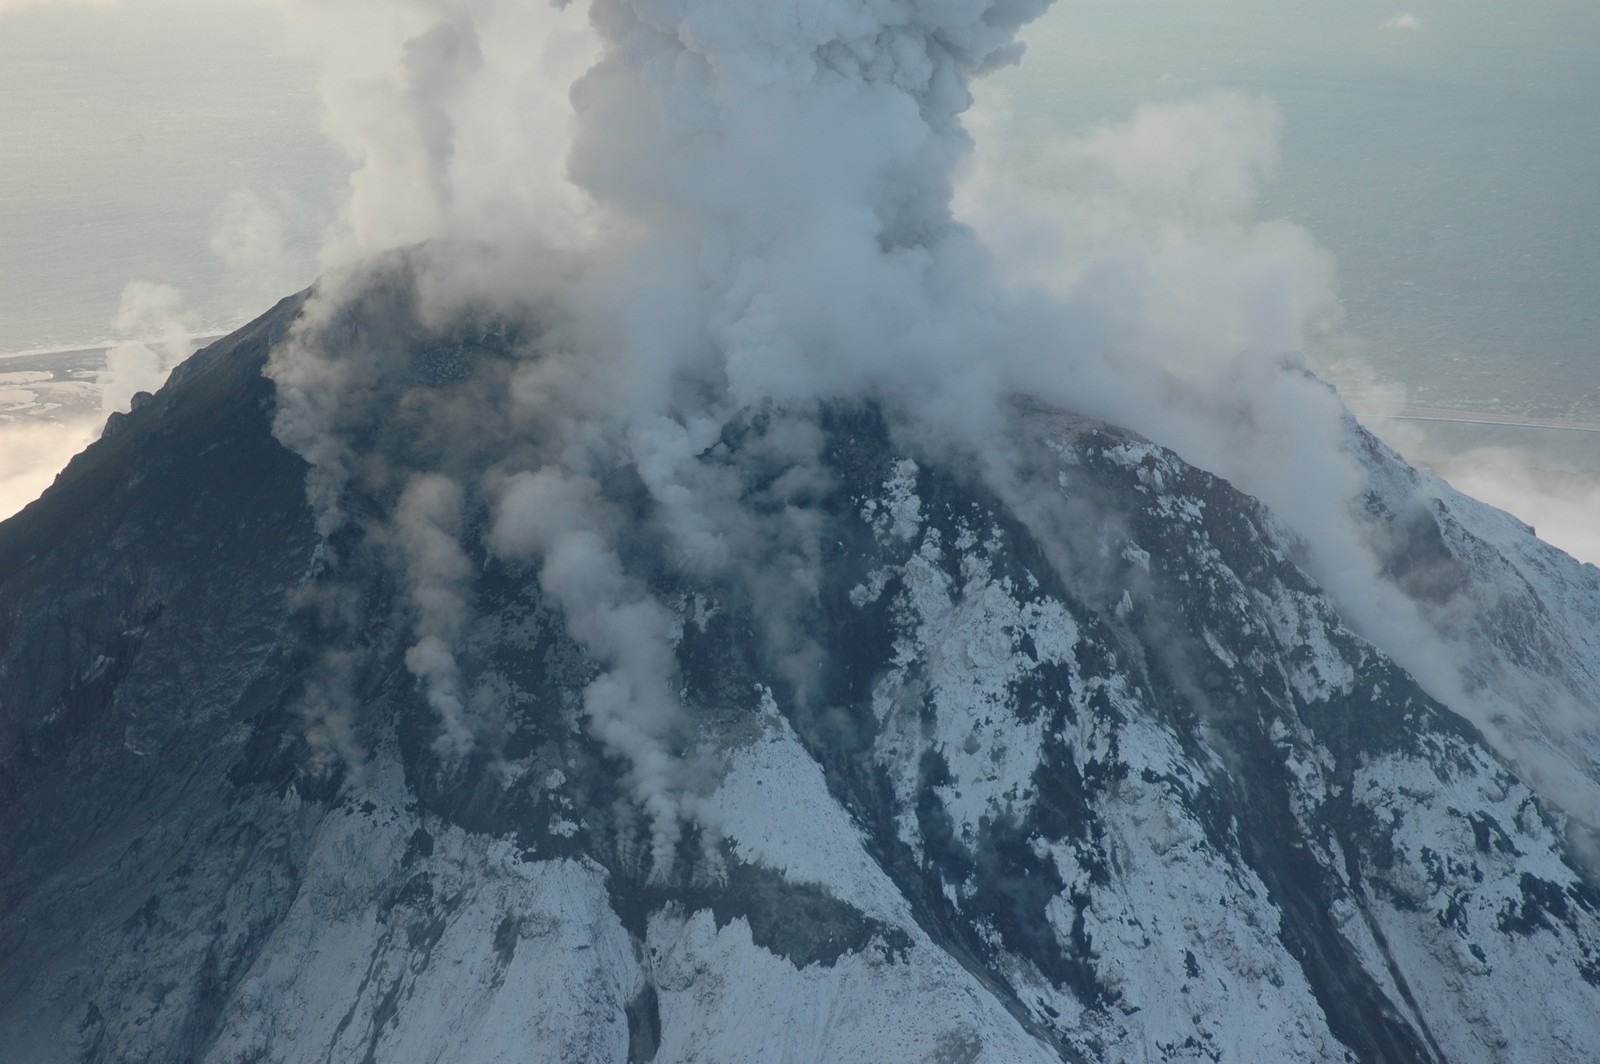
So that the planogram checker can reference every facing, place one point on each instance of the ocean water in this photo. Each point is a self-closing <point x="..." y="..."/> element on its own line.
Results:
<point x="124" y="131"/>
<point x="1453" y="169"/>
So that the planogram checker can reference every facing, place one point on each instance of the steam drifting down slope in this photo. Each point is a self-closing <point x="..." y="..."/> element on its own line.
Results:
<point x="1095" y="772"/>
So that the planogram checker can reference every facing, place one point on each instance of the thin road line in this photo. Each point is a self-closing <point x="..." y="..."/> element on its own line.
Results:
<point x="1469" y="417"/>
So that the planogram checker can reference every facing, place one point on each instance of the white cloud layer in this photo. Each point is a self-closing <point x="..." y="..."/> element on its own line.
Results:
<point x="31" y="453"/>
<point x="1562" y="505"/>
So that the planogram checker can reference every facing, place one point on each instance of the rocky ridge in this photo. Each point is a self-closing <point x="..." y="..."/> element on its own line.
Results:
<point x="1089" y="769"/>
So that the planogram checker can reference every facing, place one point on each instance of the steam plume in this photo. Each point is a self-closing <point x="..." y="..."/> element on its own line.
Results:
<point x="153" y="315"/>
<point x="427" y="522"/>
<point x="755" y="207"/>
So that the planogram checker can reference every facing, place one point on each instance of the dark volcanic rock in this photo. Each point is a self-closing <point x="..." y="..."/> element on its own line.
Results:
<point x="1086" y="768"/>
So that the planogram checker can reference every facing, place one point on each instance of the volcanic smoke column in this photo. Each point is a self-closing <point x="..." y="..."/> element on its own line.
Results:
<point x="782" y="174"/>
<point x="788" y="167"/>
<point x="772" y="181"/>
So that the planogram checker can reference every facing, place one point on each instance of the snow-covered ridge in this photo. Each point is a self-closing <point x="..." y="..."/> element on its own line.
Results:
<point x="1092" y="771"/>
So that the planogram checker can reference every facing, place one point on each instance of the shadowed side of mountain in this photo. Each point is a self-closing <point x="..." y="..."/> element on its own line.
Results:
<point x="216" y="396"/>
<point x="143" y="601"/>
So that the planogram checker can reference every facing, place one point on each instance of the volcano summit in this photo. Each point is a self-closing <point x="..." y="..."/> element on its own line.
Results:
<point x="753" y="624"/>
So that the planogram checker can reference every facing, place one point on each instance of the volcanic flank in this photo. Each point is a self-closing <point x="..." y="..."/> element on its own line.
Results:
<point x="1090" y="772"/>
<point x="751" y="633"/>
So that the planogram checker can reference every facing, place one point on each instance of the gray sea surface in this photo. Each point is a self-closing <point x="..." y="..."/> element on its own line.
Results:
<point x="124" y="131"/>
<point x="1449" y="161"/>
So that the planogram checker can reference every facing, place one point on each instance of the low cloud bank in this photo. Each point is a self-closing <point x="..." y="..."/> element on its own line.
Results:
<point x="1562" y="505"/>
<point x="32" y="452"/>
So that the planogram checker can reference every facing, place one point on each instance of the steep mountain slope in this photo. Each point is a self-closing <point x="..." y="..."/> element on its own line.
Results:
<point x="1075" y="763"/>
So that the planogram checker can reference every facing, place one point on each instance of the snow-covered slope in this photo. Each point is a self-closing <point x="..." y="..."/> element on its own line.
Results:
<point x="1083" y="769"/>
<point x="1518" y="617"/>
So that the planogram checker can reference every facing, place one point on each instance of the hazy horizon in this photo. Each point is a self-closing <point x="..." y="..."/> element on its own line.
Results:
<point x="1440" y="153"/>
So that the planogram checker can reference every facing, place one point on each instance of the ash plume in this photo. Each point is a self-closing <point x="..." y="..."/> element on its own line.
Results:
<point x="427" y="525"/>
<point x="770" y="186"/>
<point x="707" y="207"/>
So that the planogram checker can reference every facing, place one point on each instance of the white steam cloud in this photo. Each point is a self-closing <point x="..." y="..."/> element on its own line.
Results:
<point x="632" y="707"/>
<point x="427" y="522"/>
<point x="154" y="314"/>
<point x="764" y="192"/>
<point x="754" y="204"/>
<point x="32" y="452"/>
<point x="446" y="113"/>
<point x="1561" y="505"/>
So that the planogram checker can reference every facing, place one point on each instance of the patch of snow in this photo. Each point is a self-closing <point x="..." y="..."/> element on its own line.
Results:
<point x="471" y="953"/>
<point x="1460" y="926"/>
<point x="871" y="590"/>
<point x="723" y="998"/>
<point x="898" y="513"/>
<point x="773" y="804"/>
<point x="963" y="649"/>
<point x="1184" y="936"/>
